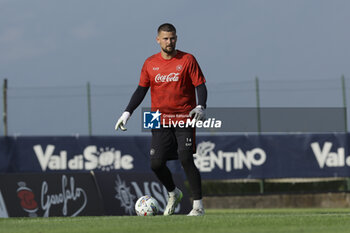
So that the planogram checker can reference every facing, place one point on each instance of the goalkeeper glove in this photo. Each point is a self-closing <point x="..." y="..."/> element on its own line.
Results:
<point x="122" y="121"/>
<point x="198" y="113"/>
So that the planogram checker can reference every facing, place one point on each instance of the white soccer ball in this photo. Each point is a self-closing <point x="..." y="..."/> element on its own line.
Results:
<point x="146" y="206"/>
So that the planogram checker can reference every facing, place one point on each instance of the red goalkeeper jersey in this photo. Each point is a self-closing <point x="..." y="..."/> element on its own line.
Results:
<point x="172" y="82"/>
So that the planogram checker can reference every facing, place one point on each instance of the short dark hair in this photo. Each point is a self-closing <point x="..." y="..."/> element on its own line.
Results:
<point x="167" y="27"/>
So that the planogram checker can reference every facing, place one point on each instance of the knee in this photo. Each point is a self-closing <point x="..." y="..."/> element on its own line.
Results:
<point x="157" y="164"/>
<point x="186" y="158"/>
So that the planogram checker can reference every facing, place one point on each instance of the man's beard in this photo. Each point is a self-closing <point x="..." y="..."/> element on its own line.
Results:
<point x="169" y="50"/>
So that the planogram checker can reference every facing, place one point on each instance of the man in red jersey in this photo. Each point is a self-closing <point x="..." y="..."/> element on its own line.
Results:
<point x="174" y="76"/>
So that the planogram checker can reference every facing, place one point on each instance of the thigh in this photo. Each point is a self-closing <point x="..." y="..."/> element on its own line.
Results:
<point x="164" y="144"/>
<point x="186" y="139"/>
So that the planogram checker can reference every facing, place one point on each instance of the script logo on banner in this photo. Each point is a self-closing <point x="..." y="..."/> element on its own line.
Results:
<point x="105" y="159"/>
<point x="3" y="210"/>
<point x="69" y="193"/>
<point x="206" y="159"/>
<point x="127" y="198"/>
<point x="48" y="199"/>
<point x="326" y="158"/>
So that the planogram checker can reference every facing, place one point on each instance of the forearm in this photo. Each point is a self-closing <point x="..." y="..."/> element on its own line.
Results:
<point x="202" y="95"/>
<point x="136" y="98"/>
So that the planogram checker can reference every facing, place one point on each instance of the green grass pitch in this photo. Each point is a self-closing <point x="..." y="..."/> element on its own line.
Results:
<point x="215" y="221"/>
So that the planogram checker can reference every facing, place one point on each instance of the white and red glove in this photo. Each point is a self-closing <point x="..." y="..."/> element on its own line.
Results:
<point x="198" y="113"/>
<point x="122" y="121"/>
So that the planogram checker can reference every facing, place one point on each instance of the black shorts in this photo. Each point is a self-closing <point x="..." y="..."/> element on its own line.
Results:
<point x="168" y="142"/>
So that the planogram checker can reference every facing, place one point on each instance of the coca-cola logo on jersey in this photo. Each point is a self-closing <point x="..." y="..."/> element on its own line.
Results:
<point x="172" y="77"/>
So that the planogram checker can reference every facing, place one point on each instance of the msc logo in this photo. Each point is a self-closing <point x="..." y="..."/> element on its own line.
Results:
<point x="151" y="120"/>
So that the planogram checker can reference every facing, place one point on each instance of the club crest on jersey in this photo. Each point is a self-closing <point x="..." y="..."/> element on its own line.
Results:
<point x="172" y="77"/>
<point x="179" y="67"/>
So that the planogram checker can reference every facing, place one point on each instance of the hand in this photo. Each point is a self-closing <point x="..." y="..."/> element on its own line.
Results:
<point x="198" y="112"/>
<point x="122" y="121"/>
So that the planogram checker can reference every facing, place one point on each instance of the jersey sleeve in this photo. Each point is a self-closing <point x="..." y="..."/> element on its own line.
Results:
<point x="144" y="77"/>
<point x="195" y="72"/>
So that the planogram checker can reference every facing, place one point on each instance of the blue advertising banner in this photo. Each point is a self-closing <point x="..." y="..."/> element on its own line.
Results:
<point x="120" y="191"/>
<point x="82" y="194"/>
<point x="46" y="195"/>
<point x="273" y="156"/>
<point x="74" y="154"/>
<point x="218" y="157"/>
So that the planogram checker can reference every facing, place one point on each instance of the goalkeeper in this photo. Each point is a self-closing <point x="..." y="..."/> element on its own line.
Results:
<point x="174" y="76"/>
